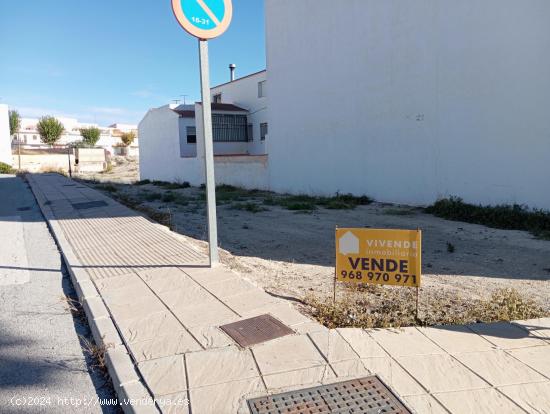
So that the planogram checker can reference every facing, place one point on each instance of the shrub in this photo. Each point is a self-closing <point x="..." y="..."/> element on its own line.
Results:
<point x="371" y="306"/>
<point x="170" y="186"/>
<point x="6" y="169"/>
<point x="127" y="138"/>
<point x="143" y="182"/>
<point x="15" y="122"/>
<point x="507" y="217"/>
<point x="50" y="129"/>
<point x="90" y="136"/>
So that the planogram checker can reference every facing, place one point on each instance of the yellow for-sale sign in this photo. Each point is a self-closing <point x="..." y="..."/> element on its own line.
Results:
<point x="384" y="257"/>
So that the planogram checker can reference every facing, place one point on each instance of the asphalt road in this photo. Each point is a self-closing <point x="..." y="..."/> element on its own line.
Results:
<point x="43" y="367"/>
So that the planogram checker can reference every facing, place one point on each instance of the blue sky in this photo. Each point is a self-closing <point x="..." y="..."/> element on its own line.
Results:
<point x="109" y="61"/>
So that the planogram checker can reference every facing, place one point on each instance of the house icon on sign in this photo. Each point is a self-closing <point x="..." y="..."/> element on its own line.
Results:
<point x="348" y="244"/>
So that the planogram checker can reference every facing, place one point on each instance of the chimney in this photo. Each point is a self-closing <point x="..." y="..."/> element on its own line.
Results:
<point x="232" y="68"/>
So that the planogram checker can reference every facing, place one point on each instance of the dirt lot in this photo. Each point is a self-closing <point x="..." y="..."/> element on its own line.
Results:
<point x="291" y="253"/>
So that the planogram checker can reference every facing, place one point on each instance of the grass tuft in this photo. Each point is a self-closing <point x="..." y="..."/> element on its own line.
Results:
<point x="250" y="207"/>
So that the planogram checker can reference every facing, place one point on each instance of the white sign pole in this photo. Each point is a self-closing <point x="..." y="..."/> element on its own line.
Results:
<point x="208" y="154"/>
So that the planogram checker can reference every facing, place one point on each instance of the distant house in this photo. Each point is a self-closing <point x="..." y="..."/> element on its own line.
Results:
<point x="171" y="151"/>
<point x="109" y="139"/>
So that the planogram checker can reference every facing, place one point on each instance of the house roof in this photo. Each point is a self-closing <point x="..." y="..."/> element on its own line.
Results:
<point x="186" y="111"/>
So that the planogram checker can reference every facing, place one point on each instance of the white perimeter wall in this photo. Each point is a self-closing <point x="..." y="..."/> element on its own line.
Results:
<point x="5" y="139"/>
<point x="243" y="92"/>
<point x="408" y="101"/>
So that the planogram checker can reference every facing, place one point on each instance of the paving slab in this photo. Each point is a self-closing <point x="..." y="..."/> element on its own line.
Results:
<point x="498" y="368"/>
<point x="164" y="375"/>
<point x="249" y="301"/>
<point x="424" y="404"/>
<point x="354" y="368"/>
<point x="282" y="311"/>
<point x="227" y="398"/>
<point x="537" y="358"/>
<point x="538" y="327"/>
<point x="333" y="346"/>
<point x="174" y="343"/>
<point x="535" y="397"/>
<point x="150" y="326"/>
<point x="457" y="339"/>
<point x="506" y="335"/>
<point x="440" y="373"/>
<point x="486" y="401"/>
<point x="211" y="313"/>
<point x="394" y="375"/>
<point x="289" y="353"/>
<point x="221" y="365"/>
<point x="211" y="337"/>
<point x="177" y="403"/>
<point x="404" y="341"/>
<point x="362" y="343"/>
<point x="164" y="279"/>
<point x="307" y="377"/>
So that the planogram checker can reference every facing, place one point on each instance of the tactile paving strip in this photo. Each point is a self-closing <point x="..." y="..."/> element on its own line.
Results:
<point x="360" y="396"/>
<point x="256" y="330"/>
<point x="89" y="204"/>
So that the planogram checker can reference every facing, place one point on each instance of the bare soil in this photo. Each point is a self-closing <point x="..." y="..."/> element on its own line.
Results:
<point x="292" y="253"/>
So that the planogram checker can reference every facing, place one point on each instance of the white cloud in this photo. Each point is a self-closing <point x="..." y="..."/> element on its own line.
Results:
<point x="100" y="115"/>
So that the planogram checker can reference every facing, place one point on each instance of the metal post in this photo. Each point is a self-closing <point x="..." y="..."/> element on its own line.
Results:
<point x="69" y="155"/>
<point x="19" y="152"/>
<point x="208" y="154"/>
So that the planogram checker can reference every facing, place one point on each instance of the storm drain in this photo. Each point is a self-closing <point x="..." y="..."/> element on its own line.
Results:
<point x="89" y="204"/>
<point x="360" y="396"/>
<point x="23" y="209"/>
<point x="256" y="330"/>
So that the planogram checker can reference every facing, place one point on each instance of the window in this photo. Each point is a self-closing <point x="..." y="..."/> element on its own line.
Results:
<point x="34" y="137"/>
<point x="191" y="135"/>
<point x="217" y="98"/>
<point x="261" y="89"/>
<point x="263" y="131"/>
<point x="229" y="128"/>
<point x="250" y="132"/>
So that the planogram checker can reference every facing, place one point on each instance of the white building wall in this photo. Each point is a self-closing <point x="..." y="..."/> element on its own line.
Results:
<point x="408" y="101"/>
<point x="5" y="139"/>
<point x="160" y="149"/>
<point x="243" y="92"/>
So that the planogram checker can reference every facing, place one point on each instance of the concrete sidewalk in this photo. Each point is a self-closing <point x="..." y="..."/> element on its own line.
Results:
<point x="149" y="296"/>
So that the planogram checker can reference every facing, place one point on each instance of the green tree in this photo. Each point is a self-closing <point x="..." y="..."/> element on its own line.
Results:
<point x="90" y="136"/>
<point x="128" y="137"/>
<point x="50" y="129"/>
<point x="15" y="122"/>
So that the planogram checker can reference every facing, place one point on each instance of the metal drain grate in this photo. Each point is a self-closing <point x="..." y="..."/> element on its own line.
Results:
<point x="89" y="204"/>
<point x="23" y="209"/>
<point x="360" y="396"/>
<point x="256" y="330"/>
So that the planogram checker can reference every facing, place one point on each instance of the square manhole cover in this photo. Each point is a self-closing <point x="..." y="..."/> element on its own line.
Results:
<point x="256" y="330"/>
<point x="89" y="204"/>
<point x="360" y="396"/>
